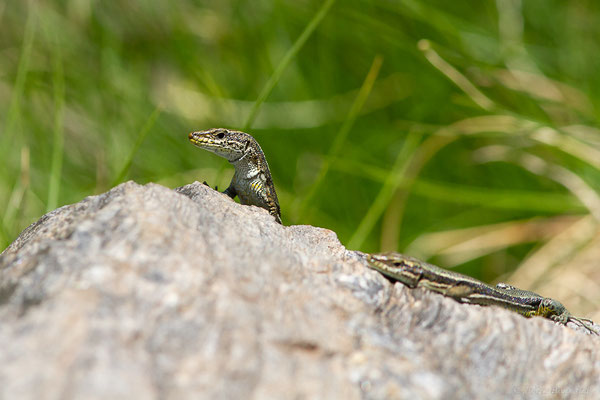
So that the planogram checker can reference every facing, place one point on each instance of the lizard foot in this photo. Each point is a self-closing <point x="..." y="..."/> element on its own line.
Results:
<point x="216" y="187"/>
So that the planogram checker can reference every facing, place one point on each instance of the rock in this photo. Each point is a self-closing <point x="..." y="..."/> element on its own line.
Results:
<point x="145" y="292"/>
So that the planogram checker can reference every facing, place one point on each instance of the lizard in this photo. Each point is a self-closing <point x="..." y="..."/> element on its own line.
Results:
<point x="252" y="181"/>
<point x="465" y="289"/>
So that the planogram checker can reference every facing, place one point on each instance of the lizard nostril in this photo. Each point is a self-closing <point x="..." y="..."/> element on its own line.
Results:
<point x="191" y="135"/>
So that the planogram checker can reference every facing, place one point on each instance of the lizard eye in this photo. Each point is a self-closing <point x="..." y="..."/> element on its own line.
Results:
<point x="220" y="135"/>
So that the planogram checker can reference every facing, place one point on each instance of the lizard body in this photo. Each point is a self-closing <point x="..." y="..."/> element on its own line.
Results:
<point x="252" y="181"/>
<point x="464" y="289"/>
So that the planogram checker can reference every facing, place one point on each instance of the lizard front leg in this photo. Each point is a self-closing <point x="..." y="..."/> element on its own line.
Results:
<point x="230" y="191"/>
<point x="555" y="311"/>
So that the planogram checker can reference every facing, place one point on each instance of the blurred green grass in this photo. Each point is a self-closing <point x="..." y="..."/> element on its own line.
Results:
<point x="417" y="126"/>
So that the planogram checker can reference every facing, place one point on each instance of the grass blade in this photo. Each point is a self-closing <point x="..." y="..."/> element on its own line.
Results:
<point x="342" y="134"/>
<point x="386" y="193"/>
<point x="140" y="139"/>
<point x="22" y="69"/>
<point x="291" y="53"/>
<point x="58" y="80"/>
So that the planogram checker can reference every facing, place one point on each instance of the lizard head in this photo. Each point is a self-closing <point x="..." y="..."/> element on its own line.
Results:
<point x="231" y="145"/>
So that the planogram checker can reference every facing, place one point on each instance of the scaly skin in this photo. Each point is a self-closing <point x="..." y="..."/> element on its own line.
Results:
<point x="464" y="289"/>
<point x="252" y="181"/>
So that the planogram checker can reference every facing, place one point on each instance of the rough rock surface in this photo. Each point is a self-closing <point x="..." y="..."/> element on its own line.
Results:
<point x="150" y="293"/>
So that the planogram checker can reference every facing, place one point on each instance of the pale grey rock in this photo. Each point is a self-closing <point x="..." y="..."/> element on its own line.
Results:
<point x="150" y="293"/>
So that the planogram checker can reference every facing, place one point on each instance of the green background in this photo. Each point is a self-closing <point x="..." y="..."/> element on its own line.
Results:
<point x="461" y="132"/>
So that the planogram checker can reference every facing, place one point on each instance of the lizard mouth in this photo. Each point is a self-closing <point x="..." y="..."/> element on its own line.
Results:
<point x="200" y="140"/>
<point x="194" y="138"/>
